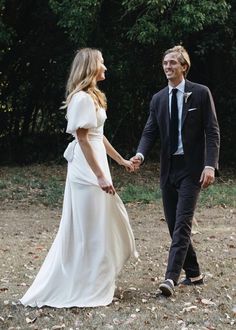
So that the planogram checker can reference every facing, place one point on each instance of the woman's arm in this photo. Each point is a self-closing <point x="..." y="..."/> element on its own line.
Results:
<point x="116" y="156"/>
<point x="82" y="135"/>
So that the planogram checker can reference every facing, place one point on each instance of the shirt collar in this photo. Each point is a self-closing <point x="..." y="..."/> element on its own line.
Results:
<point x="180" y="87"/>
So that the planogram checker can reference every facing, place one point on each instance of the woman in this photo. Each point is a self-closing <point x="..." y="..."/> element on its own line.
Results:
<point x="94" y="238"/>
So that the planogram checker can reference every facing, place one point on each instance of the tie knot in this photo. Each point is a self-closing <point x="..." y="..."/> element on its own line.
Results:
<point x="174" y="91"/>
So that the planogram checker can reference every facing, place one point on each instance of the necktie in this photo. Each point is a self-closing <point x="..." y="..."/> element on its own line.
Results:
<point x="174" y="122"/>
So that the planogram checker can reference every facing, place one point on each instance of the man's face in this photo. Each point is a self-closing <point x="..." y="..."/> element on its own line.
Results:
<point x="173" y="69"/>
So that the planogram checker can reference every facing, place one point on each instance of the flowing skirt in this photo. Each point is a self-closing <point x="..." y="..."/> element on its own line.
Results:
<point x="93" y="242"/>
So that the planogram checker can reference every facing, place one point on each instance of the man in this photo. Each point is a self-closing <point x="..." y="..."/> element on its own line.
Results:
<point x="184" y="114"/>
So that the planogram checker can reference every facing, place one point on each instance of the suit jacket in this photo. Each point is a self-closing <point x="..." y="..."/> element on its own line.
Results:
<point x="200" y="130"/>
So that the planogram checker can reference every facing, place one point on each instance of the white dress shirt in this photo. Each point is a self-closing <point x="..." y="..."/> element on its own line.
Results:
<point x="180" y="97"/>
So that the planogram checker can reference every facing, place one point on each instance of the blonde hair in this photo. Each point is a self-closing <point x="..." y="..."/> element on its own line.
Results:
<point x="82" y="77"/>
<point x="183" y="56"/>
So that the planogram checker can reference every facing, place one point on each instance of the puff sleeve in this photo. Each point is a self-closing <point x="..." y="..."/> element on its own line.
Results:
<point x="81" y="113"/>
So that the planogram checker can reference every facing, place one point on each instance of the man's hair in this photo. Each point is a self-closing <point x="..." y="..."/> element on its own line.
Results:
<point x="183" y="56"/>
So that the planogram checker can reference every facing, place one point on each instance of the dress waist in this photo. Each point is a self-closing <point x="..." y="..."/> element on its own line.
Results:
<point x="69" y="152"/>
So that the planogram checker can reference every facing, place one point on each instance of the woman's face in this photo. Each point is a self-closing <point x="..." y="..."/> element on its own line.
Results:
<point x="101" y="69"/>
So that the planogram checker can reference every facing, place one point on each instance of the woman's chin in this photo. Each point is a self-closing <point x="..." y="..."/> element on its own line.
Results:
<point x="101" y="78"/>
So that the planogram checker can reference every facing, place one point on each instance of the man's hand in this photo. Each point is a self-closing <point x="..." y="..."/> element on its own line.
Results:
<point x="136" y="161"/>
<point x="207" y="177"/>
<point x="128" y="165"/>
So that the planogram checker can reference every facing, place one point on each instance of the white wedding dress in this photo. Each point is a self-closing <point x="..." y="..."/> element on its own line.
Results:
<point x="94" y="239"/>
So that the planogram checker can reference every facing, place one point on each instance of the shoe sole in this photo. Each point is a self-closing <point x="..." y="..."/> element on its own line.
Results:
<point x="166" y="290"/>
<point x="191" y="283"/>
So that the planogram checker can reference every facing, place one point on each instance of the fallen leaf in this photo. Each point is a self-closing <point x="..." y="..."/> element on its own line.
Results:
<point x="195" y="232"/>
<point x="3" y="289"/>
<point x="207" y="302"/>
<point x="57" y="327"/>
<point x="189" y="309"/>
<point x="29" y="321"/>
<point x="116" y="321"/>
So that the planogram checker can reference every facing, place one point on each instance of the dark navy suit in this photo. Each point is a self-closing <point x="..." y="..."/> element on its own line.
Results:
<point x="179" y="175"/>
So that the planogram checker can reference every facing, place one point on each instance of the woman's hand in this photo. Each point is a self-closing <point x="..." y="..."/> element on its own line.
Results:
<point x="136" y="161"/>
<point x="106" y="185"/>
<point x="128" y="165"/>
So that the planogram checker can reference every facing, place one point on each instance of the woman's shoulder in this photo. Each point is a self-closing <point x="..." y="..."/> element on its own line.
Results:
<point x="83" y="99"/>
<point x="82" y="95"/>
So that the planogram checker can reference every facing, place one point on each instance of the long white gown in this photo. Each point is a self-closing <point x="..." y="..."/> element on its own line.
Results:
<point x="94" y="239"/>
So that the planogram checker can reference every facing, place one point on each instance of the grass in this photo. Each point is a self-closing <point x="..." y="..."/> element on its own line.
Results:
<point x="32" y="184"/>
<point x="42" y="184"/>
<point x="135" y="193"/>
<point x="221" y="193"/>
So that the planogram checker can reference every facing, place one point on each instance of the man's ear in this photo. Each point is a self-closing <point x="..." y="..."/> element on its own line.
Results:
<point x="185" y="67"/>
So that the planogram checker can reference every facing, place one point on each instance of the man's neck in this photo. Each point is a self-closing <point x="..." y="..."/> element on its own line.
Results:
<point x="175" y="82"/>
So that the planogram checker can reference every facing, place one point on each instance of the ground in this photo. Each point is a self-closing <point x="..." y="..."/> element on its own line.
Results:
<point x="27" y="229"/>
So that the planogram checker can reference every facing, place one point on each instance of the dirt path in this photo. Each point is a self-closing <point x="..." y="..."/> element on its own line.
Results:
<point x="26" y="235"/>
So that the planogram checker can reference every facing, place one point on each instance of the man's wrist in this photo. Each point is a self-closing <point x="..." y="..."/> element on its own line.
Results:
<point x="140" y="156"/>
<point x="210" y="168"/>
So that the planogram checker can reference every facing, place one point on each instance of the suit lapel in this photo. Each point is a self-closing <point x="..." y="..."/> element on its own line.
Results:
<point x="186" y="100"/>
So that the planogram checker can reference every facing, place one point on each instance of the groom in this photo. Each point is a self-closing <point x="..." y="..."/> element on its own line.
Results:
<point x="184" y="115"/>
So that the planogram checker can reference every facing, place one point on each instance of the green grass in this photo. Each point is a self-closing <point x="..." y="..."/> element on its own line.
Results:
<point x="32" y="185"/>
<point x="221" y="194"/>
<point x="135" y="193"/>
<point x="42" y="184"/>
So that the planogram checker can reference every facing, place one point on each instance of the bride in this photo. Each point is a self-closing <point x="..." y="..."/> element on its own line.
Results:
<point x="94" y="239"/>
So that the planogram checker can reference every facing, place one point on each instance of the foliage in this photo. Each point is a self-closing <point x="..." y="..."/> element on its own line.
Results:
<point x="77" y="18"/>
<point x="156" y="20"/>
<point x="32" y="80"/>
<point x="38" y="41"/>
<point x="6" y="32"/>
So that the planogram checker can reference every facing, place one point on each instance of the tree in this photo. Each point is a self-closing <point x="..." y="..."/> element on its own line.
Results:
<point x="39" y="39"/>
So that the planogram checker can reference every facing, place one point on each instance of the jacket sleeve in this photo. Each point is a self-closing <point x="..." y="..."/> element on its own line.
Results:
<point x="150" y="131"/>
<point x="212" y="132"/>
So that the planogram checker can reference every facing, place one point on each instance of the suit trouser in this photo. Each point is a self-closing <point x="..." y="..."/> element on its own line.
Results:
<point x="179" y="196"/>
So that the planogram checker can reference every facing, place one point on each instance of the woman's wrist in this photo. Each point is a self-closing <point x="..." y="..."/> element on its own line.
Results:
<point x="120" y="160"/>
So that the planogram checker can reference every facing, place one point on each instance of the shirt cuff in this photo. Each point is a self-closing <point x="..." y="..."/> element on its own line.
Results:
<point x="141" y="156"/>
<point x="210" y="167"/>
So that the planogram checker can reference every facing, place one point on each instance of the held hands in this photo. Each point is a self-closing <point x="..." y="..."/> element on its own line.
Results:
<point x="136" y="161"/>
<point x="128" y="165"/>
<point x="106" y="185"/>
<point x="207" y="177"/>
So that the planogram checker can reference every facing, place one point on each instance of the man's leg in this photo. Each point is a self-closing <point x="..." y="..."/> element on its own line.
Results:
<point x="170" y="200"/>
<point x="181" y="251"/>
<point x="191" y="266"/>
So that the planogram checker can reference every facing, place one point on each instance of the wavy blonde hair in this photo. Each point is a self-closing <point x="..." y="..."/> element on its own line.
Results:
<point x="82" y="77"/>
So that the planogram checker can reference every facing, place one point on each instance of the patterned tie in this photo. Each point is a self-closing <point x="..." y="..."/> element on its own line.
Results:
<point x="174" y="122"/>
